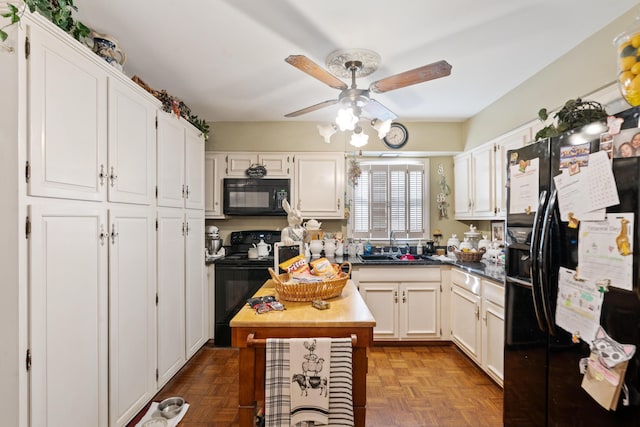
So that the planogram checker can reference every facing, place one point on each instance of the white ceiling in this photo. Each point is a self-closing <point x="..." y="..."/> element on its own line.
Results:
<point x="225" y="58"/>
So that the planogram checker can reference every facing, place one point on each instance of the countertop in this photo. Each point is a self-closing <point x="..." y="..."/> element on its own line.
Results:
<point x="347" y="310"/>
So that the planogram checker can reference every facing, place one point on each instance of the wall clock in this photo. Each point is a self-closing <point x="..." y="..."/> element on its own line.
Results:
<point x="397" y="136"/>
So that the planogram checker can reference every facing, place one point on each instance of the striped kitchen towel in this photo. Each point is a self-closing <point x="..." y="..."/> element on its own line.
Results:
<point x="278" y="384"/>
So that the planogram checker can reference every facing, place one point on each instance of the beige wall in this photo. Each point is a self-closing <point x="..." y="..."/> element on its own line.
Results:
<point x="585" y="69"/>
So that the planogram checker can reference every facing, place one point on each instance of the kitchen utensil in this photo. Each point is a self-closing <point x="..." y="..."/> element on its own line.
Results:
<point x="429" y="247"/>
<point x="212" y="239"/>
<point x="171" y="407"/>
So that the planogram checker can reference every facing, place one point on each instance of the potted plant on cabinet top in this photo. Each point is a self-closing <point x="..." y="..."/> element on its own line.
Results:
<point x="575" y="113"/>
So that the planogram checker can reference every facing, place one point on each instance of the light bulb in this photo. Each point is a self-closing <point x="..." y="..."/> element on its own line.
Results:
<point x="359" y="138"/>
<point x="327" y="130"/>
<point x="381" y="126"/>
<point x="346" y="120"/>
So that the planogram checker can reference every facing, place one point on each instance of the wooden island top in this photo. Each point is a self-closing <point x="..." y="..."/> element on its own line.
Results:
<point x="347" y="316"/>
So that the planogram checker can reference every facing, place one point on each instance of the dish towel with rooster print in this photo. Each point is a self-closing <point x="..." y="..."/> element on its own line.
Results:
<point x="281" y="383"/>
<point x="310" y="361"/>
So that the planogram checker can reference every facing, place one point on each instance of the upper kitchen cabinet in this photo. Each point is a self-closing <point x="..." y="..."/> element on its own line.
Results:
<point x="276" y="164"/>
<point x="318" y="184"/>
<point x="480" y="176"/>
<point x="213" y="171"/>
<point x="131" y="145"/>
<point x="474" y="196"/>
<point x="67" y="122"/>
<point x="180" y="156"/>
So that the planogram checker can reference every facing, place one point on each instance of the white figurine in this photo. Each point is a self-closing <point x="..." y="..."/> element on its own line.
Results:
<point x="295" y="231"/>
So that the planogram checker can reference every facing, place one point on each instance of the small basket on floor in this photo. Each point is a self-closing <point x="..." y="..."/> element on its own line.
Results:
<point x="328" y="288"/>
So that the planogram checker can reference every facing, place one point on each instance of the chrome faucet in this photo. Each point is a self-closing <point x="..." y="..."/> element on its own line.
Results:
<point x="392" y="238"/>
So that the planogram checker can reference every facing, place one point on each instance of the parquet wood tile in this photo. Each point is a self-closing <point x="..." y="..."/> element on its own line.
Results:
<point x="407" y="386"/>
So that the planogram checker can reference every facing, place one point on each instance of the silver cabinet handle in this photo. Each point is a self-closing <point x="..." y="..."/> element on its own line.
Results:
<point x="404" y="297"/>
<point x="102" y="235"/>
<point x="114" y="234"/>
<point x="102" y="175"/>
<point x="113" y="176"/>
<point x="395" y="297"/>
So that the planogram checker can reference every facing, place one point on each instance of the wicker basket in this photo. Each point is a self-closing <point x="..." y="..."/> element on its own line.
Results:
<point x="469" y="256"/>
<point x="329" y="288"/>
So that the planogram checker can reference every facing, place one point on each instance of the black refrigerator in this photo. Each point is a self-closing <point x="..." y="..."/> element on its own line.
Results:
<point x="542" y="379"/>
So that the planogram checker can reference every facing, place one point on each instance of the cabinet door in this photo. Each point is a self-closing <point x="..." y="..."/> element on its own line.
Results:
<point x="463" y="185"/>
<point x="238" y="163"/>
<point x="171" y="293"/>
<point x="319" y="184"/>
<point x="508" y="142"/>
<point x="195" y="284"/>
<point x="170" y="148"/>
<point x="132" y="311"/>
<point x="382" y="300"/>
<point x="68" y="315"/>
<point x="465" y="321"/>
<point x="132" y="145"/>
<point x="493" y="340"/>
<point x="213" y="166"/>
<point x="67" y="121"/>
<point x="277" y="164"/>
<point x="419" y="310"/>
<point x="482" y="177"/>
<point x="194" y="169"/>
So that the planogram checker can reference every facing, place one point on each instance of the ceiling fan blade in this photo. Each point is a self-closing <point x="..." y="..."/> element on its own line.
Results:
<point x="411" y="77"/>
<point x="374" y="110"/>
<point x="312" y="108"/>
<point x="314" y="70"/>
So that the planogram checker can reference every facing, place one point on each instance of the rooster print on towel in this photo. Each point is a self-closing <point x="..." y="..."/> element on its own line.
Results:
<point x="309" y="378"/>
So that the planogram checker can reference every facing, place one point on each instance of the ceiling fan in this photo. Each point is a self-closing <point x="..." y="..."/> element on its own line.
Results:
<point x="356" y="63"/>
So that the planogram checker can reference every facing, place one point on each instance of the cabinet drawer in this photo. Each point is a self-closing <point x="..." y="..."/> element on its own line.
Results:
<point x="399" y="274"/>
<point x="466" y="281"/>
<point x="493" y="292"/>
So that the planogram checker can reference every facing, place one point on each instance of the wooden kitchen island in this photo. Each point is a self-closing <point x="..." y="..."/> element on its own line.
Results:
<point x="348" y="316"/>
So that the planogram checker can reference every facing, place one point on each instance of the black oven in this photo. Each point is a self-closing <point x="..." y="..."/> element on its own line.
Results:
<point x="255" y="196"/>
<point x="237" y="278"/>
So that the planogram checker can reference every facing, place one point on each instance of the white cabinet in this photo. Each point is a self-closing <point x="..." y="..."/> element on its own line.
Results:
<point x="131" y="172"/>
<point x="132" y="311"/>
<point x="477" y="320"/>
<point x="318" y="184"/>
<point x="481" y="174"/>
<point x="196" y="290"/>
<point x="180" y="162"/>
<point x="465" y="313"/>
<point x="171" y="293"/>
<point x="277" y="164"/>
<point x="213" y="171"/>
<point x="474" y="196"/>
<point x="512" y="140"/>
<point x="493" y="330"/>
<point x="67" y="122"/>
<point x="68" y="247"/>
<point x="404" y="310"/>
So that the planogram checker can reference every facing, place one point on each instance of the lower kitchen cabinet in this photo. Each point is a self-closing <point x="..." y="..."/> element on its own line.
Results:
<point x="493" y="330"/>
<point x="477" y="320"/>
<point x="68" y="249"/>
<point x="132" y="311"/>
<point x="406" y="309"/>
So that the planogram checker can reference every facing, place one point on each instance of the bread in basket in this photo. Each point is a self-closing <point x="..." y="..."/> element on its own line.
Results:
<point x="328" y="288"/>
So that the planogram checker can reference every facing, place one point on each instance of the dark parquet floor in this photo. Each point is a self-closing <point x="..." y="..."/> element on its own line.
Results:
<point x="407" y="386"/>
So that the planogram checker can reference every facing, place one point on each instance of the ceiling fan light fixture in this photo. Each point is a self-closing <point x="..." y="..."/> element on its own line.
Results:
<point x="327" y="130"/>
<point x="382" y="126"/>
<point x="346" y="119"/>
<point x="359" y="138"/>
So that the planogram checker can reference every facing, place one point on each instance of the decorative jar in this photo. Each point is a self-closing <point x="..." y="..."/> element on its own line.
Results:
<point x="628" y="63"/>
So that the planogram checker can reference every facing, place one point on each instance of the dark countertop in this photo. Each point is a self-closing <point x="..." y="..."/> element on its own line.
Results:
<point x="483" y="268"/>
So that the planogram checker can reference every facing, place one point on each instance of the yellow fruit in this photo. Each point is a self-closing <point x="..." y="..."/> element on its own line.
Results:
<point x="635" y="40"/>
<point x="627" y="62"/>
<point x="634" y="85"/>
<point x="635" y="68"/>
<point x="626" y="76"/>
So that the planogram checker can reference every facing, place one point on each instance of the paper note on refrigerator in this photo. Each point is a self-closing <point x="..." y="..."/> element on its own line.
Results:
<point x="578" y="305"/>
<point x="586" y="194"/>
<point x="525" y="186"/>
<point x="605" y="250"/>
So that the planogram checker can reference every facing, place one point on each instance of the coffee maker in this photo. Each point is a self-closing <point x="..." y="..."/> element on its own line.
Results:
<point x="212" y="239"/>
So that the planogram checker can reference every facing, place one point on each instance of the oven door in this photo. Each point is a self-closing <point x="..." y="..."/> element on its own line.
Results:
<point x="233" y="286"/>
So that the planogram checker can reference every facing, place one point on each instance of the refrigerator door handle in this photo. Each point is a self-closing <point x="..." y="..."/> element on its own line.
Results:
<point x="544" y="261"/>
<point x="533" y="256"/>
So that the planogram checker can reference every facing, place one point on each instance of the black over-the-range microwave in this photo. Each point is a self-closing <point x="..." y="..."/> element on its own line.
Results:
<point x="255" y="196"/>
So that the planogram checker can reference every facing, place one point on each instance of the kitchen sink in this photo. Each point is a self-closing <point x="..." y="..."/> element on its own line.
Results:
<point x="378" y="257"/>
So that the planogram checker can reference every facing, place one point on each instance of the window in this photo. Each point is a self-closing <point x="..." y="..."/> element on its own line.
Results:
<point x="390" y="197"/>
